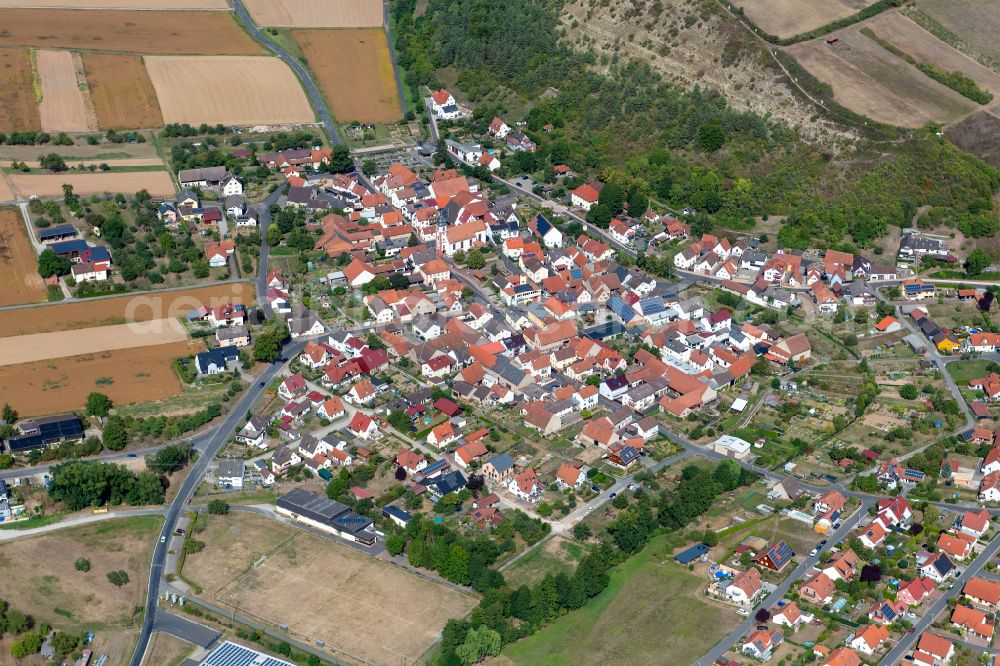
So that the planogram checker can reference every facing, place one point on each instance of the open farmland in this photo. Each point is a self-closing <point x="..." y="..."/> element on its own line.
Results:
<point x="125" y="162"/>
<point x="975" y="23"/>
<point x="166" y="32"/>
<point x="358" y="604"/>
<point x="869" y="80"/>
<point x="122" y="309"/>
<point x="244" y="90"/>
<point x="81" y="150"/>
<point x="18" y="273"/>
<point x="925" y="47"/>
<point x="365" y="91"/>
<point x="6" y="194"/>
<point x="157" y="183"/>
<point x="116" y="4"/>
<point x="316" y="13"/>
<point x="126" y="376"/>
<point x="64" y="107"/>
<point x="787" y="18"/>
<point x="17" y="95"/>
<point x="122" y="93"/>
<point x="40" y="580"/>
<point x="978" y="134"/>
<point x="41" y="346"/>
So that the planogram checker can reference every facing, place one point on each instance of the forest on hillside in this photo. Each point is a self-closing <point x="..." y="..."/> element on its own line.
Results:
<point x="688" y="148"/>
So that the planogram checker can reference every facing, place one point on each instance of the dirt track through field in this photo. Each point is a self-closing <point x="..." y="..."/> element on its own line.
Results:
<point x="41" y="346"/>
<point x="123" y="309"/>
<point x="157" y="183"/>
<point x="18" y="273"/>
<point x="63" y="107"/>
<point x="365" y="91"/>
<point x="127" y="31"/>
<point x="244" y="90"/>
<point x="123" y="95"/>
<point x="316" y="13"/>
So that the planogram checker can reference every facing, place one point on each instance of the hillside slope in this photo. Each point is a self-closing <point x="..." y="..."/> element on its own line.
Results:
<point x="695" y="42"/>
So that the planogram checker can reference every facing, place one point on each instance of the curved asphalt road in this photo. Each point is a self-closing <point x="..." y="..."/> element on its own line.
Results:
<point x="318" y="102"/>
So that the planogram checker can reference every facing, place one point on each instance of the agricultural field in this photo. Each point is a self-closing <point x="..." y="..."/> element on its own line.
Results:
<point x="157" y="183"/>
<point x="17" y="94"/>
<point x="356" y="603"/>
<point x="40" y="579"/>
<point x="787" y="18"/>
<point x="925" y="47"/>
<point x="41" y="346"/>
<point x="161" y="32"/>
<point x="126" y="376"/>
<point x="635" y="598"/>
<point x="6" y="194"/>
<point x="82" y="150"/>
<point x="245" y="90"/>
<point x="121" y="163"/>
<point x="123" y="95"/>
<point x="64" y="106"/>
<point x="123" y="309"/>
<point x="870" y="80"/>
<point x="978" y="134"/>
<point x="316" y="13"/>
<point x="973" y="23"/>
<point x="365" y="91"/>
<point x="18" y="265"/>
<point x="116" y="4"/>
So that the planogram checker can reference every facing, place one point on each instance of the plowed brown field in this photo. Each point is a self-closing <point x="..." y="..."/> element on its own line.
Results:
<point x="123" y="95"/>
<point x="63" y="107"/>
<point x="120" y="310"/>
<point x="316" y="13"/>
<point x="17" y="97"/>
<point x="157" y="183"/>
<point x="117" y="4"/>
<point x="18" y="273"/>
<point x="210" y="33"/>
<point x="62" y="384"/>
<point x="244" y="90"/>
<point x="354" y="70"/>
<point x="97" y="340"/>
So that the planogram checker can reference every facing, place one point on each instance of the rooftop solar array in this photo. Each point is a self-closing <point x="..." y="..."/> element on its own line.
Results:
<point x="231" y="654"/>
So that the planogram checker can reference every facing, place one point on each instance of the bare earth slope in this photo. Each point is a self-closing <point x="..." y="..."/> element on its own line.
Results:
<point x="693" y="43"/>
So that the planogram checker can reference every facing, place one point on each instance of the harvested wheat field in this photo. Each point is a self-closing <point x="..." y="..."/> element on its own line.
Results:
<point x="126" y="376"/>
<point x="974" y="22"/>
<point x="869" y="80"/>
<point x="41" y="346"/>
<point x="116" y="4"/>
<point x="17" y="94"/>
<point x="316" y="13"/>
<point x="123" y="95"/>
<point x="209" y="33"/>
<point x="6" y="194"/>
<point x="64" y="107"/>
<point x="157" y="183"/>
<point x="122" y="309"/>
<point x="244" y="90"/>
<point x="910" y="38"/>
<point x="787" y="18"/>
<point x="18" y="264"/>
<point x="323" y="590"/>
<point x="364" y="91"/>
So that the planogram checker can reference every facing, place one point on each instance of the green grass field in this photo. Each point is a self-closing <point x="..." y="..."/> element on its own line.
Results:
<point x="963" y="371"/>
<point x="558" y="555"/>
<point x="651" y="613"/>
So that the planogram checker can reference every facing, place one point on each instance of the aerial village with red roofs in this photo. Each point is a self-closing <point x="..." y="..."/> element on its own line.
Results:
<point x="544" y="377"/>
